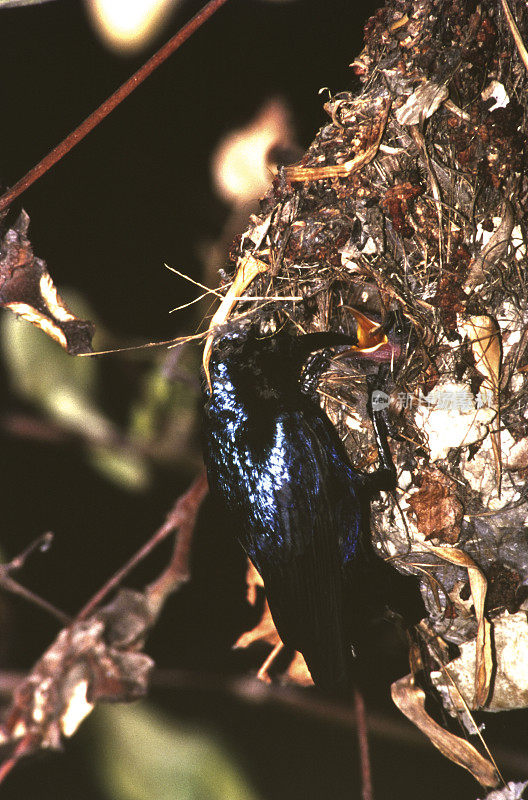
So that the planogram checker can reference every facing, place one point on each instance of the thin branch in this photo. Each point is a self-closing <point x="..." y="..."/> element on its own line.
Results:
<point x="515" y="32"/>
<point x="178" y="570"/>
<point x="9" y="584"/>
<point x="21" y="3"/>
<point x="182" y="515"/>
<point x="362" y="735"/>
<point x="110" y="104"/>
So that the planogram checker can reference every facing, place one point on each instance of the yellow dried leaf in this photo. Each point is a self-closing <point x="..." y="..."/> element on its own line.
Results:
<point x="249" y="268"/>
<point x="478" y="586"/>
<point x="484" y="335"/>
<point x="265" y="632"/>
<point x="486" y="345"/>
<point x="253" y="583"/>
<point x="410" y="700"/>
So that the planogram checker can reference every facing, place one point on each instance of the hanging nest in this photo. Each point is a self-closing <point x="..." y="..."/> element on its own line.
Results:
<point x="410" y="203"/>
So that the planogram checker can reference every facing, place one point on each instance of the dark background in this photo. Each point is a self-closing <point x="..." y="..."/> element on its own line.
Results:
<point x="135" y="194"/>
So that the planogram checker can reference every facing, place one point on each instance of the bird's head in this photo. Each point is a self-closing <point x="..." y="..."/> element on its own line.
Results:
<point x="260" y="366"/>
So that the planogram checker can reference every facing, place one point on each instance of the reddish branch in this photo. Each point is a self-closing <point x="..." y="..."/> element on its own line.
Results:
<point x="182" y="517"/>
<point x="112" y="102"/>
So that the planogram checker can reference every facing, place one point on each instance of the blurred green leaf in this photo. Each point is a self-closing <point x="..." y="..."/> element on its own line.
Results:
<point x="44" y="373"/>
<point x="122" y="467"/>
<point x="145" y="755"/>
<point x="164" y="414"/>
<point x="64" y="388"/>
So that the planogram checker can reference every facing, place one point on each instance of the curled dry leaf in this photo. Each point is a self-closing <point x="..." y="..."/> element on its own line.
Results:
<point x="437" y="508"/>
<point x="486" y="346"/>
<point x="493" y="250"/>
<point x="301" y="173"/>
<point x="410" y="700"/>
<point x="248" y="269"/>
<point x="266" y="632"/>
<point x="26" y="288"/>
<point x="478" y="586"/>
<point x="253" y="583"/>
<point x="91" y="660"/>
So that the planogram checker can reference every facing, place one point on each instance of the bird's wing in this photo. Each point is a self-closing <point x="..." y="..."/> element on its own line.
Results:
<point x="303" y="510"/>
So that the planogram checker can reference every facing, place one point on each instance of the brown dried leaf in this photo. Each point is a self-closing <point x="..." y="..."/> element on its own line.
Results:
<point x="478" y="586"/>
<point x="410" y="700"/>
<point x="26" y="288"/>
<point x="437" y="508"/>
<point x="265" y="632"/>
<point x="301" y="173"/>
<point x="91" y="660"/>
<point x="397" y="201"/>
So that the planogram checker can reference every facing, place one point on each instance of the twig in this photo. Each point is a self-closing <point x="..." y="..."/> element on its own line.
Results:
<point x="362" y="735"/>
<point x="178" y="570"/>
<point x="515" y="32"/>
<point x="21" y="3"/>
<point x="11" y="585"/>
<point x="110" y="104"/>
<point x="184" y="509"/>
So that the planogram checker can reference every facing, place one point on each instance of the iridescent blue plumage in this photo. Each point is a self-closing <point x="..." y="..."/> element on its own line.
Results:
<point x="297" y="505"/>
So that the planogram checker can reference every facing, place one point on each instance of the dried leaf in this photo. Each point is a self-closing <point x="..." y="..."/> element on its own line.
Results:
<point x="493" y="250"/>
<point x="397" y="201"/>
<point x="301" y="173"/>
<point x="90" y="660"/>
<point x="422" y="103"/>
<point x="410" y="700"/>
<point x="437" y="507"/>
<point x="478" y="586"/>
<point x="254" y="583"/>
<point x="510" y="680"/>
<point x="484" y="335"/>
<point x="248" y="269"/>
<point x="486" y="346"/>
<point x="265" y="632"/>
<point x="27" y="289"/>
